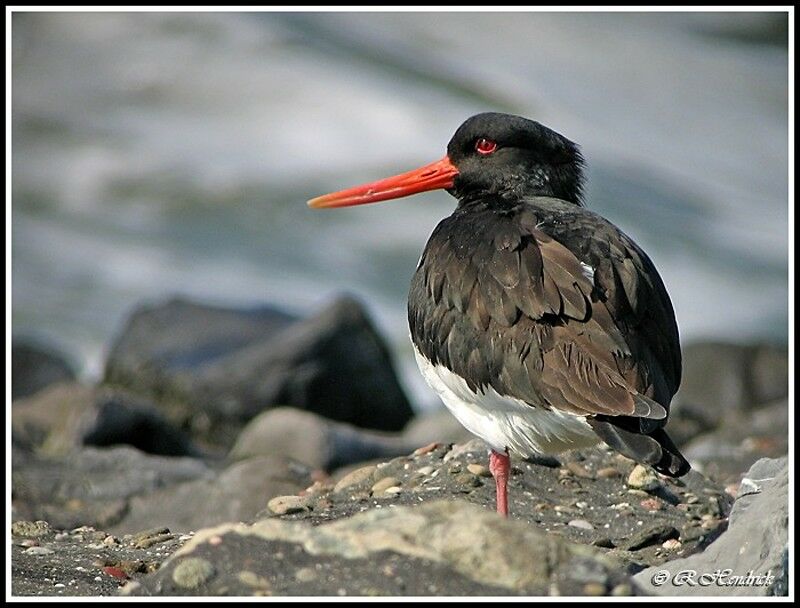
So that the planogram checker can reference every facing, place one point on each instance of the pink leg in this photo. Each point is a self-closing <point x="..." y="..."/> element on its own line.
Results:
<point x="500" y="466"/>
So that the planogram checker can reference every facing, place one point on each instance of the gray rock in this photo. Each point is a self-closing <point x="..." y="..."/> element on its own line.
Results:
<point x="237" y="493"/>
<point x="470" y="542"/>
<point x="64" y="417"/>
<point x="756" y="542"/>
<point x="319" y="442"/>
<point x="34" y="367"/>
<point x="213" y="369"/>
<point x="93" y="486"/>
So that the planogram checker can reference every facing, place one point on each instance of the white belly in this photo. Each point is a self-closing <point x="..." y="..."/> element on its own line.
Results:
<point x="503" y="421"/>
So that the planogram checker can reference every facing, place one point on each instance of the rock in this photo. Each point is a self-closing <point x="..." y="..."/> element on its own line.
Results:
<point x="381" y="485"/>
<point x="756" y="542"/>
<point x="64" y="417"/>
<point x="34" y="367"/>
<point x="581" y="524"/>
<point x="313" y="440"/>
<point x="355" y="477"/>
<point x="38" y="551"/>
<point x="478" y="469"/>
<point x="93" y="486"/>
<point x="281" y="505"/>
<point x="192" y="572"/>
<point x="643" y="478"/>
<point x="214" y="369"/>
<point x="452" y="535"/>
<point x="236" y="493"/>
<point x="31" y="529"/>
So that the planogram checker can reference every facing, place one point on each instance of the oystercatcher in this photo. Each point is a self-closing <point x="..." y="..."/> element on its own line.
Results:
<point x="541" y="325"/>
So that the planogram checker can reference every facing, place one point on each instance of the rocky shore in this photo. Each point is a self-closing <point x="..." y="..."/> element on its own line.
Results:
<point x="249" y="452"/>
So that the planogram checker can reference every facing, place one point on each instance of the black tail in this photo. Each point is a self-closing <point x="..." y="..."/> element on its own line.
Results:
<point x="654" y="448"/>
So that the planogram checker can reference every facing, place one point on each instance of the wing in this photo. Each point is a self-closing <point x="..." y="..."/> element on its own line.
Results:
<point x="566" y="313"/>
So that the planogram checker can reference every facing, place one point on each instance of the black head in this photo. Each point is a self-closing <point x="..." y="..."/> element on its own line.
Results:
<point x="501" y="155"/>
<point x="492" y="157"/>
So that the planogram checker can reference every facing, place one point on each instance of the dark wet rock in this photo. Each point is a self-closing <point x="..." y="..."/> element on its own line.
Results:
<point x="64" y="417"/>
<point x="213" y="369"/>
<point x="453" y="536"/>
<point x="756" y="541"/>
<point x="93" y="486"/>
<point x="123" y="419"/>
<point x="236" y="493"/>
<point x="319" y="442"/>
<point x="34" y="367"/>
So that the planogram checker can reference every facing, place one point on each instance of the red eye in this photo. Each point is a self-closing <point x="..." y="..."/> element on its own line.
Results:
<point x="485" y="146"/>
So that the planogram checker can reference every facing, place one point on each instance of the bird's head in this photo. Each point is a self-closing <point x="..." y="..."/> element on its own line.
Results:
<point x="491" y="156"/>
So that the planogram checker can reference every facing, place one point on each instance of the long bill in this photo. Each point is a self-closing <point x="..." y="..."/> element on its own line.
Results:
<point x="434" y="176"/>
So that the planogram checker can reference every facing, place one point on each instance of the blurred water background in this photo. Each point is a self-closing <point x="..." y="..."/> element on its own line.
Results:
<point x="157" y="154"/>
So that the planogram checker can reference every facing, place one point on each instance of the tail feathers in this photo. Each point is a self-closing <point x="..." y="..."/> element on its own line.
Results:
<point x="655" y="448"/>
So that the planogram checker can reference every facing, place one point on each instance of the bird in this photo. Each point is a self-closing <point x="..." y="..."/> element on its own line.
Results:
<point x="541" y="325"/>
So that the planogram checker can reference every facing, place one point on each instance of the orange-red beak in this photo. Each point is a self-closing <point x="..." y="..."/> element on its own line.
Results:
<point x="430" y="177"/>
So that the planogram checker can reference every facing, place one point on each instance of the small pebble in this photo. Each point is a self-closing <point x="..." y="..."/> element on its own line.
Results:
<point x="355" y="477"/>
<point x="594" y="589"/>
<point x="478" y="469"/>
<point x="425" y="470"/>
<point x="691" y="499"/>
<point x="622" y="590"/>
<point x="425" y="449"/>
<point x="583" y="525"/>
<point x="579" y="470"/>
<point x="283" y="505"/>
<point x="192" y="572"/>
<point x="643" y="478"/>
<point x="110" y="540"/>
<point x="305" y="575"/>
<point x="672" y="544"/>
<point x="651" y="504"/>
<point x="31" y="529"/>
<point x="608" y="473"/>
<point x="393" y="490"/>
<point x="381" y="485"/>
<point x="215" y="540"/>
<point x="38" y="551"/>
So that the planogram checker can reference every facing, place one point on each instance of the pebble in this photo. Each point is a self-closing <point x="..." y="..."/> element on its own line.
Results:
<point x="608" y="473"/>
<point x="468" y="481"/>
<point x="479" y="470"/>
<point x="110" y="540"/>
<point x="393" y="490"/>
<point x="425" y="449"/>
<point x="38" y="551"/>
<point x="691" y="499"/>
<point x="643" y="478"/>
<point x="672" y="544"/>
<point x="651" y="504"/>
<point x="192" y="572"/>
<point x="149" y="541"/>
<point x="30" y="529"/>
<point x="579" y="470"/>
<point x="425" y="470"/>
<point x="251" y="579"/>
<point x="305" y="575"/>
<point x="382" y="485"/>
<point x="622" y="590"/>
<point x="354" y="477"/>
<point x="583" y="525"/>
<point x="282" y="505"/>
<point x="594" y="589"/>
